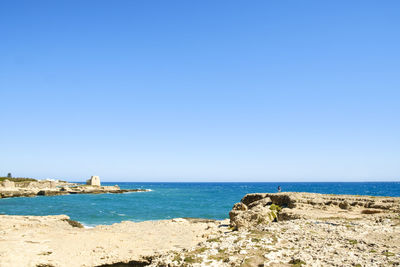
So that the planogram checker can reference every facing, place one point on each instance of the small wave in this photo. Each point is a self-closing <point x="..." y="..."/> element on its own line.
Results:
<point x="144" y="190"/>
<point x="87" y="226"/>
<point x="135" y="192"/>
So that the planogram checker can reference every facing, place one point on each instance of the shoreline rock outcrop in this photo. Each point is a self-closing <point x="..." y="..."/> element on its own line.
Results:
<point x="55" y="188"/>
<point x="308" y="230"/>
<point x="258" y="208"/>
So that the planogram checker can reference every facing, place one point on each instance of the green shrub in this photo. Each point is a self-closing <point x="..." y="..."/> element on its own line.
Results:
<point x="190" y="259"/>
<point x="353" y="242"/>
<point x="275" y="207"/>
<point x="296" y="262"/>
<point x="388" y="254"/>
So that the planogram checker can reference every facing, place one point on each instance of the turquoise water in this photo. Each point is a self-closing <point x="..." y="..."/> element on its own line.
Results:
<point x="171" y="200"/>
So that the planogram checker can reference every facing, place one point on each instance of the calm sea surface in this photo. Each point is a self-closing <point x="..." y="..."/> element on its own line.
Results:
<point x="171" y="200"/>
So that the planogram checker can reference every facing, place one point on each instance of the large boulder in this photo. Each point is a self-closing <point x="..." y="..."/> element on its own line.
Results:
<point x="259" y="210"/>
<point x="94" y="180"/>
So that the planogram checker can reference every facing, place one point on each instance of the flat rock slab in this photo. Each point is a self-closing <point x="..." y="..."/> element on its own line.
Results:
<point x="52" y="241"/>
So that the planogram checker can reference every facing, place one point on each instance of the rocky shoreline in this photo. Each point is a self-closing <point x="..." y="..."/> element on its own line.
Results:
<point x="302" y="229"/>
<point x="283" y="229"/>
<point x="54" y="188"/>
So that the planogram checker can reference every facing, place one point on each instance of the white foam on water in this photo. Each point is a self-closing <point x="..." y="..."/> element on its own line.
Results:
<point x="146" y="190"/>
<point x="87" y="226"/>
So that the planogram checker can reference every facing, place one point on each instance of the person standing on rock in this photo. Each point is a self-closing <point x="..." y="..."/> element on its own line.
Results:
<point x="279" y="189"/>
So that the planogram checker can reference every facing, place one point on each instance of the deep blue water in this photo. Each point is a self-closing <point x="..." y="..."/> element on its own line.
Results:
<point x="171" y="200"/>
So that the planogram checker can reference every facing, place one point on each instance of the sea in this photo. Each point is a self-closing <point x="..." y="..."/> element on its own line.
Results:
<point x="174" y="200"/>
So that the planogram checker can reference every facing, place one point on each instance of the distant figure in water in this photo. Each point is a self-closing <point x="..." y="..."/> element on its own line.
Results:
<point x="279" y="189"/>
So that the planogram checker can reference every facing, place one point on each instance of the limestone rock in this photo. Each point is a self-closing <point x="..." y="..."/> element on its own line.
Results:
<point x="312" y="230"/>
<point x="344" y="205"/>
<point x="8" y="184"/>
<point x="59" y="241"/>
<point x="258" y="211"/>
<point x="51" y="193"/>
<point x="295" y="205"/>
<point x="263" y="208"/>
<point x="249" y="198"/>
<point x="239" y="206"/>
<point x="53" y="188"/>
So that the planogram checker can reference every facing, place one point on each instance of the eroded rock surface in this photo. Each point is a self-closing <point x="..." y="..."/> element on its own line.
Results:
<point x="257" y="211"/>
<point x="58" y="241"/>
<point x="294" y="205"/>
<point x="310" y="230"/>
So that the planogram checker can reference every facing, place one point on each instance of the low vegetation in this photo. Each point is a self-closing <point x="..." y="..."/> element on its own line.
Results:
<point x="17" y="179"/>
<point x="353" y="242"/>
<point x="191" y="259"/>
<point x="388" y="254"/>
<point x="275" y="207"/>
<point x="297" y="262"/>
<point x="214" y="240"/>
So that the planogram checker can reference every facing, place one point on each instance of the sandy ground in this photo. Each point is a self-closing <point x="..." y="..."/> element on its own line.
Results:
<point x="52" y="241"/>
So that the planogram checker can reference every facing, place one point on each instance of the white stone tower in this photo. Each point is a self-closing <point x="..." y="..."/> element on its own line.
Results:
<point x="94" y="180"/>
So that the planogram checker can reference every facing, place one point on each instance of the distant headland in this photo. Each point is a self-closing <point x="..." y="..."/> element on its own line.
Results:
<point x="30" y="187"/>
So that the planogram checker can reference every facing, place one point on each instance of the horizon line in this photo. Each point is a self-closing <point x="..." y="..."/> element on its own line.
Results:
<point x="370" y="181"/>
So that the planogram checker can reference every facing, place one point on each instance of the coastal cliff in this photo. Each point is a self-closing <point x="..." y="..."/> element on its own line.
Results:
<point x="284" y="229"/>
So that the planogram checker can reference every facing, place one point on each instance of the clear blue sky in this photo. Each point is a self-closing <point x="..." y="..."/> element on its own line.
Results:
<point x="200" y="90"/>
